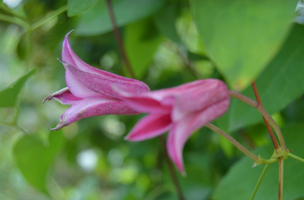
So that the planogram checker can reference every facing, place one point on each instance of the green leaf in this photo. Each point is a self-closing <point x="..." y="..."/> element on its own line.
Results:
<point x="10" y="95"/>
<point x="76" y="7"/>
<point x="240" y="181"/>
<point x="141" y="41"/>
<point x="34" y="158"/>
<point x="164" y="21"/>
<point x="242" y="36"/>
<point x="279" y="84"/>
<point x="97" y="21"/>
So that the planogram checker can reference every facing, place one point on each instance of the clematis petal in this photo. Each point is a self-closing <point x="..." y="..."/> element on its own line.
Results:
<point x="182" y="130"/>
<point x="104" y="85"/>
<point x="204" y="94"/>
<point x="93" y="107"/>
<point x="132" y="85"/>
<point x="64" y="96"/>
<point x="143" y="102"/>
<point x="150" y="126"/>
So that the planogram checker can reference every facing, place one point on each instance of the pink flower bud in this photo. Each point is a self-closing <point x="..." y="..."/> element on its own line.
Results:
<point x="90" y="90"/>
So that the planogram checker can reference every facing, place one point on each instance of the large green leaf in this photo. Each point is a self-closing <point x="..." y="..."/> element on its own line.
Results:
<point x="241" y="36"/>
<point x="34" y="158"/>
<point x="279" y="84"/>
<point x="165" y="20"/>
<point x="141" y="41"/>
<point x="9" y="96"/>
<point x="76" y="7"/>
<point x="97" y="21"/>
<point x="240" y="181"/>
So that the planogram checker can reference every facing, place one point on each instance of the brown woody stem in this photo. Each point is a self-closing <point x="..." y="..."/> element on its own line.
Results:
<point x="119" y="40"/>
<point x="271" y="134"/>
<point x="171" y="169"/>
<point x="131" y="72"/>
<point x="260" y="108"/>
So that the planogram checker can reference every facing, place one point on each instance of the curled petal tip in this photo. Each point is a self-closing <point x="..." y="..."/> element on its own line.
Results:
<point x="126" y="138"/>
<point x="183" y="173"/>
<point x="60" y="125"/>
<point x="48" y="98"/>
<point x="51" y="96"/>
<point x="70" y="32"/>
<point x="64" y="63"/>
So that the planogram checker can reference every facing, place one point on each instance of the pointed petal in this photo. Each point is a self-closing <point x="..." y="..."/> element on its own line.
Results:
<point x="132" y="85"/>
<point x="64" y="96"/>
<point x="182" y="130"/>
<point x="93" y="107"/>
<point x="150" y="126"/>
<point x="103" y="85"/>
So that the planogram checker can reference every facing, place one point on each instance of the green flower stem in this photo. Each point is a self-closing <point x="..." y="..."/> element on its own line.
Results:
<point x="8" y="10"/>
<point x="259" y="181"/>
<point x="260" y="108"/>
<point x="49" y="17"/>
<point x="234" y="142"/>
<point x="14" y="20"/>
<point x="281" y="177"/>
<point x="296" y="157"/>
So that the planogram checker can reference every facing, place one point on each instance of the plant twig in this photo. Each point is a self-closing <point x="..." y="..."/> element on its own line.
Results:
<point x="259" y="181"/>
<point x="260" y="108"/>
<point x="234" y="142"/>
<point x="296" y="157"/>
<point x="281" y="174"/>
<point x="14" y="20"/>
<point x="257" y="96"/>
<point x="171" y="169"/>
<point x="119" y="40"/>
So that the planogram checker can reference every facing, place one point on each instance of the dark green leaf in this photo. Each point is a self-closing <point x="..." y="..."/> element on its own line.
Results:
<point x="97" y="21"/>
<point x="141" y="41"/>
<point x="10" y="95"/>
<point x="164" y="21"/>
<point x="279" y="84"/>
<point x="239" y="183"/>
<point x="242" y="36"/>
<point x="34" y="158"/>
<point x="76" y="7"/>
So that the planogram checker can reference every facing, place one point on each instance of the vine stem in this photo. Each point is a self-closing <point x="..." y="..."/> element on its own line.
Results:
<point x="233" y="141"/>
<point x="119" y="40"/>
<point x="257" y="96"/>
<point x="281" y="176"/>
<point x="259" y="181"/>
<point x="260" y="108"/>
<point x="296" y="157"/>
<point x="131" y="72"/>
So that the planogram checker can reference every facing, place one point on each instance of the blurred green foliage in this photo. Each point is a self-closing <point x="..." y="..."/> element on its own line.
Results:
<point x="90" y="159"/>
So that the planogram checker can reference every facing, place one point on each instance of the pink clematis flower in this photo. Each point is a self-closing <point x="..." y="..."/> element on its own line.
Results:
<point x="90" y="90"/>
<point x="180" y="110"/>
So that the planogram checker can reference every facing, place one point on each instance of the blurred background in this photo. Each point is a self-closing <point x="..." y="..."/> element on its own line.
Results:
<point x="90" y="159"/>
